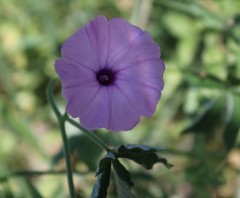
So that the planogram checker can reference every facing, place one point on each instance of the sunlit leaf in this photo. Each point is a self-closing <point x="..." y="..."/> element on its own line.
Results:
<point x="32" y="190"/>
<point x="20" y="128"/>
<point x="6" y="190"/>
<point x="194" y="9"/>
<point x="203" y="79"/>
<point x="58" y="191"/>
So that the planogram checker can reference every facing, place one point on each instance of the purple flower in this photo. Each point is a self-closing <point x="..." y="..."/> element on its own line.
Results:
<point x="111" y="74"/>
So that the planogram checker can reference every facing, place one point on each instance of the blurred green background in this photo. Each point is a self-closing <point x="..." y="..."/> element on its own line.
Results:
<point x="197" y="119"/>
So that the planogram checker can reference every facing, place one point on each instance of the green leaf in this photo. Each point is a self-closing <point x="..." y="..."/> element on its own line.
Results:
<point x="141" y="154"/>
<point x="6" y="191"/>
<point x="122" y="173"/>
<point x="79" y="144"/>
<point x="196" y="10"/>
<point x="32" y="190"/>
<point x="210" y="118"/>
<point x="136" y="148"/>
<point x="203" y="79"/>
<point x="103" y="179"/>
<point x="104" y="162"/>
<point x="123" y="189"/>
<point x="148" y="160"/>
<point x="201" y="175"/>
<point x="19" y="127"/>
<point x="102" y="183"/>
<point x="232" y="121"/>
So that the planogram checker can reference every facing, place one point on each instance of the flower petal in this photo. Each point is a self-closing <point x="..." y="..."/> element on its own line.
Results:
<point x="130" y="54"/>
<point x="121" y="35"/>
<point x="88" y="45"/>
<point x="109" y="109"/>
<point x="96" y="114"/>
<point x="149" y="72"/>
<point x="146" y="83"/>
<point x="74" y="75"/>
<point x="123" y="115"/>
<point x="142" y="48"/>
<point x="79" y="99"/>
<point x="79" y="85"/>
<point x="97" y="32"/>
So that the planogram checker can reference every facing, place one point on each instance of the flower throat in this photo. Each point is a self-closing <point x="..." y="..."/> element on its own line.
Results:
<point x="105" y="77"/>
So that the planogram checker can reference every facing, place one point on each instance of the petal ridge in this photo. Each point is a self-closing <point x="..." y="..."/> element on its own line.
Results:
<point x="123" y="49"/>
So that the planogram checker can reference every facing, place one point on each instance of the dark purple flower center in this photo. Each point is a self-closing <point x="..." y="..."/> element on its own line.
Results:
<point x="105" y="77"/>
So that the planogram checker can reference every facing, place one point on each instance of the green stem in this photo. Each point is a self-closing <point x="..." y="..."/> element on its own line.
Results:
<point x="61" y="120"/>
<point x="51" y="100"/>
<point x="67" y="157"/>
<point x="91" y="135"/>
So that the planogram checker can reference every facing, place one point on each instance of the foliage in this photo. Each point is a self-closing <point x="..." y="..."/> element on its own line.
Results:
<point x="197" y="120"/>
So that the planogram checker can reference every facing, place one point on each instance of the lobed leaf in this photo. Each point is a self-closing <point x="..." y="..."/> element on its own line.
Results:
<point x="143" y="155"/>
<point x="103" y="179"/>
<point x="122" y="173"/>
<point x="104" y="162"/>
<point x="123" y="189"/>
<point x="138" y="148"/>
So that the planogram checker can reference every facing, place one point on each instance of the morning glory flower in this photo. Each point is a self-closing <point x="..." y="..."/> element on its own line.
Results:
<point x="111" y="74"/>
